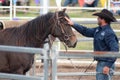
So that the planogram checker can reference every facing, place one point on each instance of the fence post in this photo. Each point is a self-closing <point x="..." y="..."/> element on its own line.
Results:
<point x="46" y="72"/>
<point x="14" y="10"/>
<point x="10" y="9"/>
<point x="54" y="63"/>
<point x="58" y="3"/>
<point x="44" y="4"/>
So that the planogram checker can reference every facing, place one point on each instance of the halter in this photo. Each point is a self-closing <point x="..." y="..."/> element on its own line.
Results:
<point x="57" y="23"/>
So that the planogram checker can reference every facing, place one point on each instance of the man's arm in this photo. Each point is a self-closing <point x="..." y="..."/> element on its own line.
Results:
<point x="88" y="32"/>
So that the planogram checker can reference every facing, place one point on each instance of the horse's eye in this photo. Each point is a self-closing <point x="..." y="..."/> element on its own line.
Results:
<point x="61" y="20"/>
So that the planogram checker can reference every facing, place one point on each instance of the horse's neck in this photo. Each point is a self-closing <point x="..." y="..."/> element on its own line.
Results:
<point x="39" y="40"/>
<point x="40" y="33"/>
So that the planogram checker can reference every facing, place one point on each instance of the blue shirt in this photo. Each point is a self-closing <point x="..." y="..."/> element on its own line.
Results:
<point x="104" y="40"/>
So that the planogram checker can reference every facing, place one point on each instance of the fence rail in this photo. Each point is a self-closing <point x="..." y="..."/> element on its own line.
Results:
<point x="19" y="77"/>
<point x="22" y="49"/>
<point x="78" y="54"/>
<point x="83" y="74"/>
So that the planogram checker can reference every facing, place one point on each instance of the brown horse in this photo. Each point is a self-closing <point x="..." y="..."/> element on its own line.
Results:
<point x="33" y="34"/>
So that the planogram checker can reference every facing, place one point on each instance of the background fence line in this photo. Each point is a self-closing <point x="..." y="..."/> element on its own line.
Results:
<point x="13" y="8"/>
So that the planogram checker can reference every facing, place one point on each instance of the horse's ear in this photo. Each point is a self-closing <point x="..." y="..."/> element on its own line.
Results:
<point x="64" y="10"/>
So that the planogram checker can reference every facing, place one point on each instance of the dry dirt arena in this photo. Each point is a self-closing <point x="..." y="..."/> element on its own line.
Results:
<point x="68" y="66"/>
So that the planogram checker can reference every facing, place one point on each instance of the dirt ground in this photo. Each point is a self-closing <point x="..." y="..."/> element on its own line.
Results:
<point x="68" y="66"/>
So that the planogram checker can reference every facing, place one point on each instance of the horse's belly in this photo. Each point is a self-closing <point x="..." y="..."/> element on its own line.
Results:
<point x="4" y="65"/>
<point x="15" y="62"/>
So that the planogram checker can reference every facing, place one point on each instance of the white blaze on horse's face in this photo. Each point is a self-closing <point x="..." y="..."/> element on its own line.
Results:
<point x="64" y="31"/>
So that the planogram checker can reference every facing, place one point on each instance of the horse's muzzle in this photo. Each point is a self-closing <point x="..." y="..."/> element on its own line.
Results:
<point x="72" y="45"/>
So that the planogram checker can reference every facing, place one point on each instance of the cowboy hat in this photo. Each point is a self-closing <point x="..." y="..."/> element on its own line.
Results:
<point x="106" y="14"/>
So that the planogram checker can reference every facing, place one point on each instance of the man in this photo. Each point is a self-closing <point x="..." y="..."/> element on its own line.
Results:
<point x="104" y="40"/>
<point x="90" y="3"/>
<point x="115" y="4"/>
<point x="70" y="2"/>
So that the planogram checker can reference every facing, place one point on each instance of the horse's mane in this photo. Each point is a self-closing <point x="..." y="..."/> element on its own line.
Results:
<point x="33" y="30"/>
<point x="37" y="26"/>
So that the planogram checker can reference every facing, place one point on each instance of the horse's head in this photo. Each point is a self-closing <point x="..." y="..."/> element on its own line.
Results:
<point x="62" y="30"/>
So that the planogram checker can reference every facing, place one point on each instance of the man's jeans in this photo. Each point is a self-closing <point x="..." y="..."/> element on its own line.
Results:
<point x="68" y="2"/>
<point x="94" y="4"/>
<point x="99" y="70"/>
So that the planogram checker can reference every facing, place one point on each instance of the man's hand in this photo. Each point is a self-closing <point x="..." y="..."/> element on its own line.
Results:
<point x="106" y="70"/>
<point x="69" y="21"/>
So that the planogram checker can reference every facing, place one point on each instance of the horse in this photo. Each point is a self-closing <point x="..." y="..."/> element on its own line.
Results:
<point x="33" y="34"/>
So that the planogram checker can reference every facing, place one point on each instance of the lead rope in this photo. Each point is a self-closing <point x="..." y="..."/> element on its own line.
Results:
<point x="111" y="72"/>
<point x="65" y="46"/>
<point x="109" y="76"/>
<point x="50" y="42"/>
<point x="77" y="68"/>
<point x="87" y="68"/>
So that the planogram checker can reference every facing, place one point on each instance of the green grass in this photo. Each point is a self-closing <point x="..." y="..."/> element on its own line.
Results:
<point x="80" y="46"/>
<point x="20" y="14"/>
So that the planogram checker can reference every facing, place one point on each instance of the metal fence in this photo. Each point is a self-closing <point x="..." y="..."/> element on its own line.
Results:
<point x="54" y="56"/>
<point x="30" y="51"/>
<point x="80" y="55"/>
